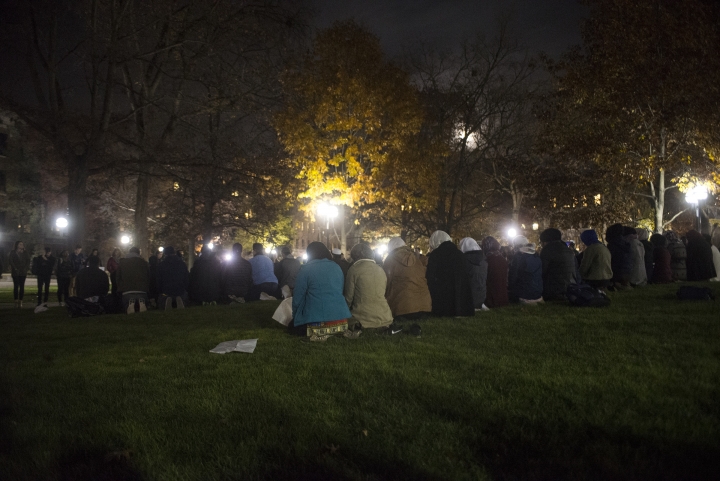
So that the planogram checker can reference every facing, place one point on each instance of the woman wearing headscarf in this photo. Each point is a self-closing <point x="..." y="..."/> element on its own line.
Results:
<point x="621" y="257"/>
<point x="447" y="278"/>
<point x="644" y="238"/>
<point x="662" y="272"/>
<point x="638" y="277"/>
<point x="497" y="277"/>
<point x="596" y="266"/>
<point x="700" y="265"/>
<point x="477" y="268"/>
<point x="365" y="289"/>
<point x="716" y="257"/>
<point x="525" y="282"/>
<point x="678" y="256"/>
<point x="318" y="293"/>
<point x="407" y="290"/>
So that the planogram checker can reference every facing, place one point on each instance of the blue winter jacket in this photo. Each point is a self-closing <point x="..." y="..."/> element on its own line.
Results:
<point x="318" y="294"/>
<point x="525" y="280"/>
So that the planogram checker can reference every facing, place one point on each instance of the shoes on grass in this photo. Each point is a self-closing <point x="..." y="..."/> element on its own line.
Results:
<point x="316" y="338"/>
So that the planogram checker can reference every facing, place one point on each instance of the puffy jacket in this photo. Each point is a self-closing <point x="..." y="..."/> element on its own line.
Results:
<point x="133" y="275"/>
<point x="448" y="282"/>
<point x="236" y="277"/>
<point x="173" y="278"/>
<point x="477" y="269"/>
<point x="407" y="288"/>
<point x="365" y="294"/>
<point x="286" y="271"/>
<point x="525" y="277"/>
<point x="318" y="293"/>
<point x="205" y="279"/>
<point x="559" y="269"/>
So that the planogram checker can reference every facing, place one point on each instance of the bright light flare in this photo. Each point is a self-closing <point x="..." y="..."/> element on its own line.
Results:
<point x="228" y="256"/>
<point x="273" y="252"/>
<point x="512" y="233"/>
<point x="382" y="249"/>
<point x="210" y="245"/>
<point x="327" y="211"/>
<point x="161" y="249"/>
<point x="536" y="226"/>
<point x="696" y="194"/>
<point x="125" y="239"/>
<point x="61" y="222"/>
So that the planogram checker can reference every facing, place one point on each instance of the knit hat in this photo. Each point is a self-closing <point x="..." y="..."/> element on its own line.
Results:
<point x="550" y="235"/>
<point x="589" y="237"/>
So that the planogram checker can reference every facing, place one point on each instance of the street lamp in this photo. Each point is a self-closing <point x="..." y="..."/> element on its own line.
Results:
<point x="125" y="239"/>
<point x="536" y="226"/>
<point x="512" y="233"/>
<point x="61" y="222"/>
<point x="161" y="249"/>
<point x="694" y="196"/>
<point x="328" y="212"/>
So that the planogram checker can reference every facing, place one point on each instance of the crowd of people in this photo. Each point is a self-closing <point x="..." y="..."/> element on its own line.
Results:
<point x="451" y="280"/>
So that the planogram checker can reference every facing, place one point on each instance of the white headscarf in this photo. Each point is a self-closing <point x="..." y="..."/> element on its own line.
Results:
<point x="394" y="243"/>
<point x="437" y="238"/>
<point x="522" y="244"/>
<point x="468" y="244"/>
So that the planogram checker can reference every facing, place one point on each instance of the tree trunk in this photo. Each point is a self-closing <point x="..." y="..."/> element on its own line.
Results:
<point x="517" y="198"/>
<point x="660" y="202"/>
<point x="207" y="225"/>
<point x="141" y="213"/>
<point x="343" y="236"/>
<point x="77" y="200"/>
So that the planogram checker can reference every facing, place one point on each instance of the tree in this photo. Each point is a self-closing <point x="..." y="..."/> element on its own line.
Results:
<point x="348" y="114"/>
<point x="638" y="94"/>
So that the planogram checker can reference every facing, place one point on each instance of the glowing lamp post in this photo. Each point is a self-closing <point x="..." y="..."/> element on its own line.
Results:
<point x="694" y="196"/>
<point x="512" y="233"/>
<point x="125" y="240"/>
<point x="328" y="212"/>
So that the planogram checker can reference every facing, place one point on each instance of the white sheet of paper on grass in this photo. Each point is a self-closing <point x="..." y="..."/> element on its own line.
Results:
<point x="247" y="345"/>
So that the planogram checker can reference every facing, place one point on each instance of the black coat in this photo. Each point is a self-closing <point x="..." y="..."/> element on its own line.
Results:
<point x="43" y="267"/>
<point x="287" y="270"/>
<point x="237" y="277"/>
<point x="700" y="266"/>
<point x="622" y="259"/>
<point x="477" y="269"/>
<point x="90" y="282"/>
<point x="448" y="282"/>
<point x="172" y="276"/>
<point x="559" y="269"/>
<point x="525" y="279"/>
<point x="205" y="279"/>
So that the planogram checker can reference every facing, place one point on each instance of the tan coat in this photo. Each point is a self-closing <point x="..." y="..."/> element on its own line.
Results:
<point x="407" y="289"/>
<point x="365" y="294"/>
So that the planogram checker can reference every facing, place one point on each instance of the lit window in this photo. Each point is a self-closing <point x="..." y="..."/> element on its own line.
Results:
<point x="176" y="186"/>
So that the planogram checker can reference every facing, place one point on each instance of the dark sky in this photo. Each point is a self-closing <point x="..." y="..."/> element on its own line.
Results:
<point x="543" y="25"/>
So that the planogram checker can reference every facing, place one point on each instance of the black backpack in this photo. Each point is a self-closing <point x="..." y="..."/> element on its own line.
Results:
<point x="582" y="295"/>
<point x="78" y="307"/>
<point x="691" y="293"/>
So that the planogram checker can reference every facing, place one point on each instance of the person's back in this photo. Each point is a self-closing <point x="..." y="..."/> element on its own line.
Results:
<point x="596" y="263"/>
<point x="92" y="281"/>
<point x="447" y="278"/>
<point x="318" y="294"/>
<point x="263" y="275"/>
<point x="477" y="270"/>
<point x="497" y="277"/>
<point x="173" y="278"/>
<point x="700" y="266"/>
<point x="287" y="269"/>
<point x="338" y="259"/>
<point x="133" y="274"/>
<point x="558" y="265"/>
<point x="525" y="281"/>
<point x="364" y="290"/>
<point x="638" y="275"/>
<point x="406" y="289"/>
<point x="205" y="278"/>
<point x="237" y="275"/>
<point x="678" y="256"/>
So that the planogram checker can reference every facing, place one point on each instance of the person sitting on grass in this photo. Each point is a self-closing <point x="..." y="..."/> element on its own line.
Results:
<point x="644" y="238"/>
<point x="364" y="290"/>
<point x="407" y="290"/>
<point x="678" y="255"/>
<point x="497" y="278"/>
<point x="525" y="276"/>
<point x="700" y="266"/>
<point x="236" y="276"/>
<point x="92" y="281"/>
<point x="662" y="270"/>
<point x="339" y="259"/>
<point x="559" y="265"/>
<point x="205" y="278"/>
<point x="638" y="277"/>
<point x="173" y="280"/>
<point x="318" y="294"/>
<point x="621" y="257"/>
<point x="133" y="277"/>
<point x="447" y="278"/>
<point x="263" y="273"/>
<point x="596" y="266"/>
<point x="287" y="270"/>
<point x="716" y="257"/>
<point x="477" y="268"/>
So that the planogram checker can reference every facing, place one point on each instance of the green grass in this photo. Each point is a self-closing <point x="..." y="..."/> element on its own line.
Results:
<point x="627" y="392"/>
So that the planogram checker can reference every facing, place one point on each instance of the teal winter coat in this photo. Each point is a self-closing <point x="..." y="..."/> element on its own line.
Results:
<point x="318" y="294"/>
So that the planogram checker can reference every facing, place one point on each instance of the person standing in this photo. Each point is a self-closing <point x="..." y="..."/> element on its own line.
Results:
<point x="133" y="278"/>
<point x="263" y="273"/>
<point x="43" y="266"/>
<point x="63" y="272"/>
<point x="447" y="278"/>
<point x="77" y="259"/>
<point x="19" y="266"/>
<point x="112" y="266"/>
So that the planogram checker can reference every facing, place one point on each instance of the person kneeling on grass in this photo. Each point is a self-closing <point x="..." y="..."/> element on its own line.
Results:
<point x="205" y="278"/>
<point x="662" y="270"/>
<point x="365" y="289"/>
<point x="525" y="282"/>
<point x="173" y="280"/>
<point x="407" y="290"/>
<point x="447" y="278"/>
<point x="559" y="265"/>
<point x="318" y="293"/>
<point x="477" y="270"/>
<point x="92" y="281"/>
<point x="133" y="277"/>
<point x="263" y="275"/>
<point x="596" y="266"/>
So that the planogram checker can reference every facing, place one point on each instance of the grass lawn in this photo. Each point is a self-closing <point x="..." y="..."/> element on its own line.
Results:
<point x="627" y="392"/>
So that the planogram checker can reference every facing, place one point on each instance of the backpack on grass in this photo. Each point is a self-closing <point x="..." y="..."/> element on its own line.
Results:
<point x="691" y="293"/>
<point x="582" y="295"/>
<point x="78" y="307"/>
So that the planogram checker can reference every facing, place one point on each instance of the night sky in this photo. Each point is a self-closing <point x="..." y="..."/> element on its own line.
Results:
<point x="542" y="25"/>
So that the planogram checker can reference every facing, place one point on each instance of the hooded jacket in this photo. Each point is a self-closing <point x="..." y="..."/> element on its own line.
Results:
<point x="596" y="263"/>
<point x="364" y="291"/>
<point x="700" y="266"/>
<point x="477" y="269"/>
<point x="448" y="282"/>
<point x="407" y="289"/>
